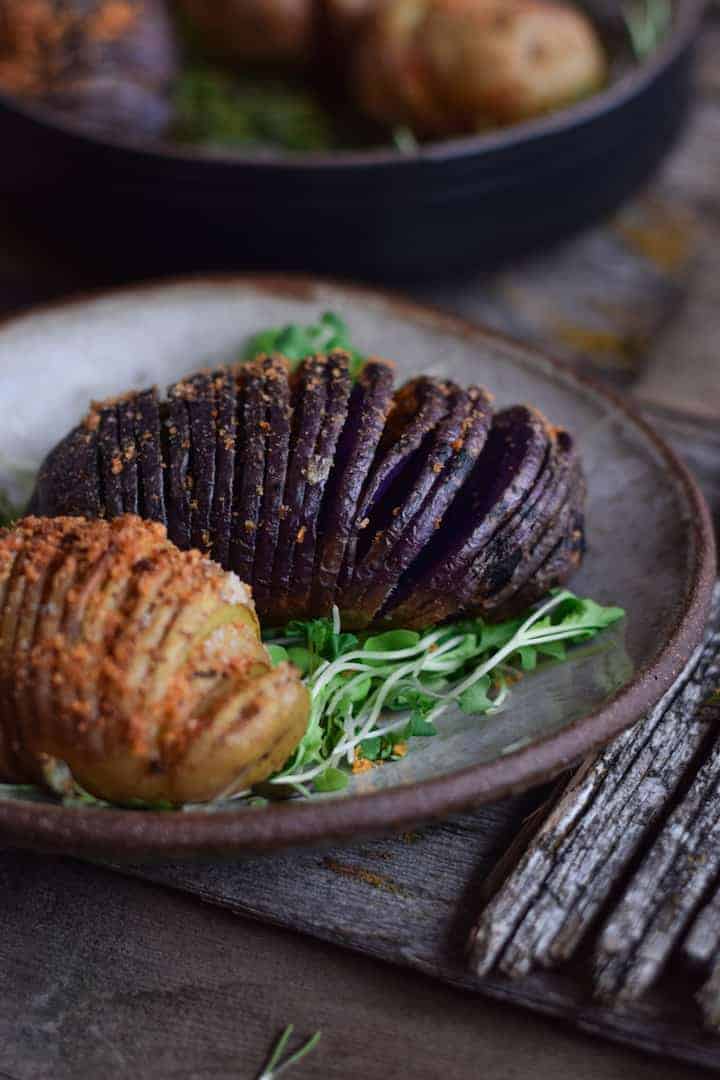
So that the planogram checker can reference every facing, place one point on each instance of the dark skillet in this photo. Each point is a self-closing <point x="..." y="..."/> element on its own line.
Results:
<point x="453" y="206"/>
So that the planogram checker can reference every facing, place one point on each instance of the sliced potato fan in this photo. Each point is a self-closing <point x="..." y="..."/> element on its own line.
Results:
<point x="401" y="506"/>
<point x="136" y="664"/>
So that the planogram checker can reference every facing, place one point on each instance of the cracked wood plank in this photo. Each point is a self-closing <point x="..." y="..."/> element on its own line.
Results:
<point x="638" y="939"/>
<point x="550" y="902"/>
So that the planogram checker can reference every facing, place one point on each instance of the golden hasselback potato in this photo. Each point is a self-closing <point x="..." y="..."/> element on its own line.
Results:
<point x="138" y="665"/>
<point x="451" y="66"/>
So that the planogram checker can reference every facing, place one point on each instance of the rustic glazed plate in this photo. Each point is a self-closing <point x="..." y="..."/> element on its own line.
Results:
<point x="651" y="549"/>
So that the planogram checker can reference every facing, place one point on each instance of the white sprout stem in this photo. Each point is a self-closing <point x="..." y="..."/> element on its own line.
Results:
<point x="390" y="683"/>
<point x="349" y="745"/>
<point x="520" y="637"/>
<point x="325" y="674"/>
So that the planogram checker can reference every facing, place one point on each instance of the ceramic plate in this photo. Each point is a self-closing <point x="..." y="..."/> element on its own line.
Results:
<point x="650" y="548"/>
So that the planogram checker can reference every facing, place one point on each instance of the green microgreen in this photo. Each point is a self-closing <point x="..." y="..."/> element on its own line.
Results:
<point x="374" y="692"/>
<point x="275" y="1066"/>
<point x="296" y="342"/>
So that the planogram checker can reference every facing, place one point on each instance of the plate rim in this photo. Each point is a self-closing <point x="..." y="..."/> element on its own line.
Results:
<point x="132" y="834"/>
<point x="688" y="16"/>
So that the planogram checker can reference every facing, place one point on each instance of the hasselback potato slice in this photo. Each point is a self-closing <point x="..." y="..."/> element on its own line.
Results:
<point x="226" y="422"/>
<point x="199" y="393"/>
<point x="69" y="480"/>
<point x="110" y="460"/>
<point x="309" y="390"/>
<point x="146" y="673"/>
<point x="529" y="540"/>
<point x="417" y="407"/>
<point x="276" y="373"/>
<point x="505" y="473"/>
<point x="129" y="478"/>
<point x="150" y="463"/>
<point x="368" y="408"/>
<point x="178" y="479"/>
<point x="337" y="378"/>
<point x="249" y="470"/>
<point x="510" y="549"/>
<point x="415" y="506"/>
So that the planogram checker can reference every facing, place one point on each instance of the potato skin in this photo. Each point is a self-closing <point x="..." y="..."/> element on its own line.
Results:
<point x="106" y="62"/>
<point x="254" y="30"/>
<point x="139" y="666"/>
<point x="456" y="66"/>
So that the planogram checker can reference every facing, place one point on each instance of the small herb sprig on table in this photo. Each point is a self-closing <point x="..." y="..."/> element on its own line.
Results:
<point x="357" y="684"/>
<point x="275" y="1067"/>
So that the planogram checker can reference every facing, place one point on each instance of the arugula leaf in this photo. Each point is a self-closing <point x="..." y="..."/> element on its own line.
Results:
<point x="296" y="342"/>
<point x="475" y="699"/>
<point x="277" y="653"/>
<point x="420" y="727"/>
<point x="331" y="780"/>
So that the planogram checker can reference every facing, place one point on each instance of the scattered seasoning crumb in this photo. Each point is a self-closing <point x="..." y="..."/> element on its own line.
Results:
<point x="368" y="877"/>
<point x="361" y="764"/>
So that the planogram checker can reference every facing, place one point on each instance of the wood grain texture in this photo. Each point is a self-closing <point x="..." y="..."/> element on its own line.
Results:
<point x="108" y="977"/>
<point x="547" y="906"/>
<point x="638" y="938"/>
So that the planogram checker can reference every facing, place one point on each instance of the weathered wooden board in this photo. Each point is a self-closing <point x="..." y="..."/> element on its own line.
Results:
<point x="576" y="893"/>
<point x="108" y="977"/>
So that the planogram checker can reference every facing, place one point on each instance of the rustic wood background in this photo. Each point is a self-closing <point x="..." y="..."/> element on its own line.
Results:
<point x="101" y="974"/>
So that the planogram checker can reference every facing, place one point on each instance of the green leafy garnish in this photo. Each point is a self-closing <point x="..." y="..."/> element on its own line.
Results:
<point x="8" y="512"/>
<point x="296" y="342"/>
<point x="216" y="109"/>
<point x="648" y="23"/>
<point x="275" y="1067"/>
<point x="370" y="694"/>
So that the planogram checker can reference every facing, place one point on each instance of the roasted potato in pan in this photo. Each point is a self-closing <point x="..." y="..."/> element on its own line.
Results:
<point x="446" y="67"/>
<point x="136" y="664"/>
<point x="107" y="62"/>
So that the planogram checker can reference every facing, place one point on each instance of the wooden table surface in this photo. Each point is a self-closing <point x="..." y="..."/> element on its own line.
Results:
<point x="103" y="976"/>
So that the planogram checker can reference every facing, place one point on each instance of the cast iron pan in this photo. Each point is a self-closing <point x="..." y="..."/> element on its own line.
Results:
<point x="453" y="206"/>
